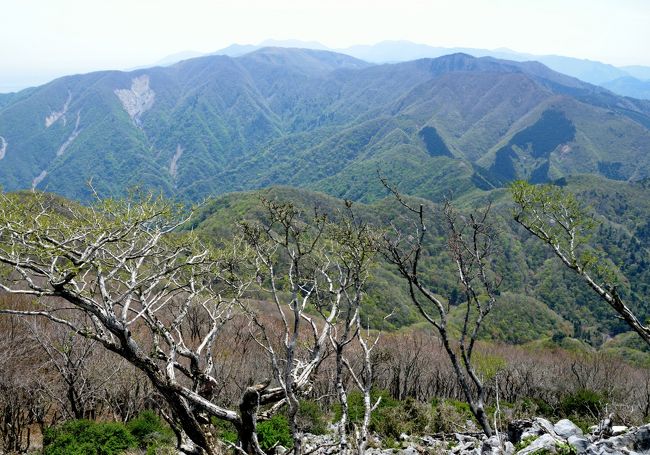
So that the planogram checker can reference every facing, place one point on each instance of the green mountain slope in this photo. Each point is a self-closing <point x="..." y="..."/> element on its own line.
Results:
<point x="319" y="120"/>
<point x="539" y="297"/>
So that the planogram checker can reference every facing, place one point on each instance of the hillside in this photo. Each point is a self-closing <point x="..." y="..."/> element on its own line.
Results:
<point x="539" y="299"/>
<point x="319" y="120"/>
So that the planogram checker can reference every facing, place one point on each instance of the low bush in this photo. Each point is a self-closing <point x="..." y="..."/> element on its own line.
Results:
<point x="226" y="431"/>
<point x="83" y="437"/>
<point x="150" y="431"/>
<point x="356" y="408"/>
<point x="408" y="416"/>
<point x="311" y="418"/>
<point x="450" y="416"/>
<point x="584" y="403"/>
<point x="273" y="432"/>
<point x="525" y="442"/>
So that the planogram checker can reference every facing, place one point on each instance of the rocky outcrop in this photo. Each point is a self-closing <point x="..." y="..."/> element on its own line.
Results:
<point x="138" y="99"/>
<point x="634" y="441"/>
<point x="523" y="429"/>
<point x="56" y="115"/>
<point x="38" y="179"/>
<point x="566" y="437"/>
<point x="546" y="443"/>
<point x="70" y="138"/>
<point x="173" y="166"/>
<point x="536" y="436"/>
<point x="565" y="429"/>
<point x="3" y="147"/>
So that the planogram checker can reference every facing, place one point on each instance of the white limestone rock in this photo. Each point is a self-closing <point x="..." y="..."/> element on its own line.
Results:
<point x="39" y="178"/>
<point x="3" y="147"/>
<point x="138" y="99"/>
<point x="546" y="443"/>
<point x="565" y="428"/>
<point x="70" y="138"/>
<point x="56" y="115"/>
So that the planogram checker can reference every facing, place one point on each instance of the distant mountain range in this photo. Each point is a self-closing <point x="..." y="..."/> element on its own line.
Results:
<point x="633" y="81"/>
<point x="320" y="120"/>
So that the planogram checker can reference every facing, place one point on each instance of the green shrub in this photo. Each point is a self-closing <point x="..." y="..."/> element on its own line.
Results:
<point x="563" y="448"/>
<point x="226" y="431"/>
<point x="583" y="402"/>
<point x="356" y="408"/>
<point x="310" y="418"/>
<point x="83" y="437"/>
<point x="537" y="406"/>
<point x="450" y="416"/>
<point x="408" y="416"/>
<point x="525" y="442"/>
<point x="150" y="431"/>
<point x="274" y="431"/>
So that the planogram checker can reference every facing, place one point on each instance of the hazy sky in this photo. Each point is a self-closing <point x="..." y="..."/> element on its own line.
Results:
<point x="42" y="39"/>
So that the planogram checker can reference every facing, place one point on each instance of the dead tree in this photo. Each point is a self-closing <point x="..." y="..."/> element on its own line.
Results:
<point x="364" y="381"/>
<point x="132" y="281"/>
<point x="22" y="401"/>
<point x="314" y="272"/>
<point x="71" y="357"/>
<point x="470" y="245"/>
<point x="357" y="244"/>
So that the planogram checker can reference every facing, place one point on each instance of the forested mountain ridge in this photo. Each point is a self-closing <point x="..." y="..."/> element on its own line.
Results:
<point x="320" y="120"/>
<point x="539" y="299"/>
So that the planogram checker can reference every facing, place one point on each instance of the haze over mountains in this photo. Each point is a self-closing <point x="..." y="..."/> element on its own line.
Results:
<point x="633" y="81"/>
<point x="320" y="120"/>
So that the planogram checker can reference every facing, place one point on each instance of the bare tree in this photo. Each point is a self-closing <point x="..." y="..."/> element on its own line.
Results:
<point x="22" y="401"/>
<point x="558" y="219"/>
<point x="132" y="281"/>
<point x="314" y="272"/>
<point x="470" y="245"/>
<point x="357" y="244"/>
<point x="364" y="381"/>
<point x="71" y="356"/>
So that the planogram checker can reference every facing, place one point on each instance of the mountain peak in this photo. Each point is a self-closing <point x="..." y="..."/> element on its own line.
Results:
<point x="308" y="61"/>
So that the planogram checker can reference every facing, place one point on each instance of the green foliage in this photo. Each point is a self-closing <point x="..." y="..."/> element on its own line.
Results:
<point x="408" y="416"/>
<point x="564" y="448"/>
<point x="392" y="417"/>
<point x="270" y="432"/>
<point x="583" y="403"/>
<point x="525" y="442"/>
<point x="225" y="430"/>
<point x="539" y="299"/>
<point x="537" y="406"/>
<point x="250" y="122"/>
<point x="488" y="365"/>
<point x="519" y="319"/>
<point x="150" y="430"/>
<point x="273" y="432"/>
<point x="557" y="218"/>
<point x="356" y="407"/>
<point x="311" y="418"/>
<point x="450" y="416"/>
<point x="84" y="437"/>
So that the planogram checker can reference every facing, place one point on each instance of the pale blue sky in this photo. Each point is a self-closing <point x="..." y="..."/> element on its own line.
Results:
<point x="42" y="39"/>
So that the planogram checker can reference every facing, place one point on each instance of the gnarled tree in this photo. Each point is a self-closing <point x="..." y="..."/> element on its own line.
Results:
<point x="314" y="271"/>
<point x="558" y="219"/>
<point x="132" y="282"/>
<point x="470" y="241"/>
